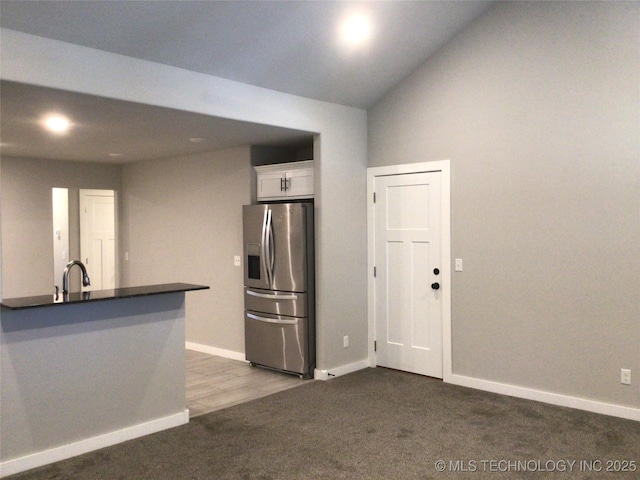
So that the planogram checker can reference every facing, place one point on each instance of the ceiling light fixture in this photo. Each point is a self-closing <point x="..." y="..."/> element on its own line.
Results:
<point x="197" y="140"/>
<point x="56" y="123"/>
<point x="356" y="29"/>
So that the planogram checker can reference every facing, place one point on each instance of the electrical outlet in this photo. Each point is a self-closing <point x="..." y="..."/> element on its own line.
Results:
<point x="237" y="261"/>
<point x="625" y="376"/>
<point x="345" y="341"/>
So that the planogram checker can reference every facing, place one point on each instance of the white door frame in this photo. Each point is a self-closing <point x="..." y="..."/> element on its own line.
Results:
<point x="444" y="167"/>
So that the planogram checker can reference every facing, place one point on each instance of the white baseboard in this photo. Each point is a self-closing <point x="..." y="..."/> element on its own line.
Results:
<point x="219" y="352"/>
<point x="339" y="371"/>
<point x="593" y="406"/>
<point x="546" y="397"/>
<point x="63" y="452"/>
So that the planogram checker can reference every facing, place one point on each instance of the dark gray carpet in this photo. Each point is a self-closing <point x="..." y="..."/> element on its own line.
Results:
<point x="372" y="424"/>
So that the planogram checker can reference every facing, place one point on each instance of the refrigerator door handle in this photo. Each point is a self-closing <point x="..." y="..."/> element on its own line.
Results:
<point x="269" y="247"/>
<point x="263" y="247"/>
<point x="271" y="320"/>
<point x="273" y="296"/>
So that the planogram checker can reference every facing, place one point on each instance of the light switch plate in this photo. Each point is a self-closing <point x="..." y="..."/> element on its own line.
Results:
<point x="237" y="261"/>
<point x="625" y="376"/>
<point x="458" y="265"/>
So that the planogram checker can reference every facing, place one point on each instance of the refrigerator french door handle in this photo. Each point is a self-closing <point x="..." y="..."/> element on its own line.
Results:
<point x="271" y="320"/>
<point x="272" y="296"/>
<point x="270" y="248"/>
<point x="263" y="250"/>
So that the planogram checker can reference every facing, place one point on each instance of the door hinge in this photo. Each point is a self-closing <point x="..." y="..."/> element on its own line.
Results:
<point x="375" y="346"/>
<point x="374" y="197"/>
<point x="374" y="272"/>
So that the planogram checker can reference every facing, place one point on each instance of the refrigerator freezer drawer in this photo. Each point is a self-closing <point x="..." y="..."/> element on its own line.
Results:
<point x="277" y="341"/>
<point x="291" y="304"/>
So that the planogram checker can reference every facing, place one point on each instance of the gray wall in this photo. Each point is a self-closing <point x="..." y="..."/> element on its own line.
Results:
<point x="341" y="247"/>
<point x="537" y="106"/>
<point x="27" y="226"/>
<point x="182" y="222"/>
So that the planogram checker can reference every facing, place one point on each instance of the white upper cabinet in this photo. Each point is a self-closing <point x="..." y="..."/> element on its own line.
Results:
<point x="285" y="181"/>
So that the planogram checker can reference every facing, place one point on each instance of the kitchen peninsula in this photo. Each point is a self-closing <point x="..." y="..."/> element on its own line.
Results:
<point x="87" y="370"/>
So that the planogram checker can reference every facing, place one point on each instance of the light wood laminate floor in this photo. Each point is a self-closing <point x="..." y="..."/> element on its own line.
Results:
<point x="214" y="382"/>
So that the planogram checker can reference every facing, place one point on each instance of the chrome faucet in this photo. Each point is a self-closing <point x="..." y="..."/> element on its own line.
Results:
<point x="65" y="276"/>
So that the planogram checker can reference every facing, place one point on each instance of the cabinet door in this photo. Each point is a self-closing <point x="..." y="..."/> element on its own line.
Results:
<point x="270" y="185"/>
<point x="300" y="183"/>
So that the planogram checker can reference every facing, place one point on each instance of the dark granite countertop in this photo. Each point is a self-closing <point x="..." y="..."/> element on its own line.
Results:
<point x="97" y="295"/>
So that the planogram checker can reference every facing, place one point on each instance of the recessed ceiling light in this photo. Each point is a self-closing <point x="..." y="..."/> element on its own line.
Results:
<point x="56" y="123"/>
<point x="197" y="140"/>
<point x="115" y="155"/>
<point x="356" y="29"/>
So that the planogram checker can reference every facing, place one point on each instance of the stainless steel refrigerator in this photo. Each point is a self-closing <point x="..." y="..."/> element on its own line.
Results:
<point x="279" y="301"/>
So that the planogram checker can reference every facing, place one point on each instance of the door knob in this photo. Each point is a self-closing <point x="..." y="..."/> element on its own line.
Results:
<point x="436" y="271"/>
<point x="435" y="286"/>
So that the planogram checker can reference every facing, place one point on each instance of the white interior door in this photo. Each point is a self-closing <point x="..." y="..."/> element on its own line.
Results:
<point x="97" y="237"/>
<point x="409" y="272"/>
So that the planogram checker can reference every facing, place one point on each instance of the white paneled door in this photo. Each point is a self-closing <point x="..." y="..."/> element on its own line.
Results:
<point x="408" y="272"/>
<point x="97" y="237"/>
